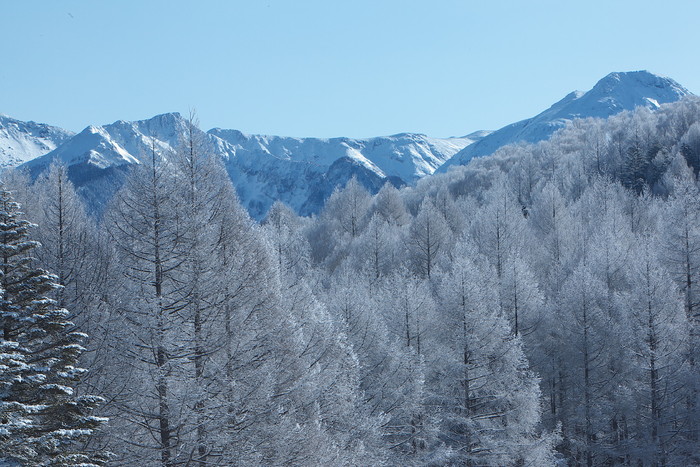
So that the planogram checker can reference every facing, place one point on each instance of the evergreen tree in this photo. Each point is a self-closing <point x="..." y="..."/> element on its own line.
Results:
<point x="43" y="421"/>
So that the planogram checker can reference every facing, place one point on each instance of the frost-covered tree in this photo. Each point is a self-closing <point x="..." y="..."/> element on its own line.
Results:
<point x="657" y="335"/>
<point x="498" y="225"/>
<point x="204" y="194"/>
<point x="68" y="242"/>
<point x="343" y="219"/>
<point x="428" y="236"/>
<point x="389" y="206"/>
<point x="690" y="148"/>
<point x="391" y="382"/>
<point x="587" y="344"/>
<point x="408" y="308"/>
<point x="553" y="251"/>
<point x="43" y="420"/>
<point x="348" y="208"/>
<point x="681" y="242"/>
<point x="375" y="253"/>
<point x="291" y="248"/>
<point x="488" y="399"/>
<point x="144" y="228"/>
<point x="681" y="255"/>
<point x="520" y="296"/>
<point x="320" y="379"/>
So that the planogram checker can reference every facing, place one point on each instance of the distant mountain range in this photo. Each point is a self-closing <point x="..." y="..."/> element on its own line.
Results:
<point x="303" y="172"/>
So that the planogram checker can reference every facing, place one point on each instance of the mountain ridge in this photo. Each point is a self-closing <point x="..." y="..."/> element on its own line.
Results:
<point x="612" y="94"/>
<point x="23" y="141"/>
<point x="303" y="172"/>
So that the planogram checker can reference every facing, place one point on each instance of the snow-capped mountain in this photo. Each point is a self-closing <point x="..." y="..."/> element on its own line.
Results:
<point x="301" y="172"/>
<point x="22" y="141"/>
<point x="116" y="144"/>
<point x="612" y="94"/>
<point x="98" y="157"/>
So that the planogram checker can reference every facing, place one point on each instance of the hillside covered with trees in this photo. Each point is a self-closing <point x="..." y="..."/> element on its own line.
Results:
<point x="536" y="306"/>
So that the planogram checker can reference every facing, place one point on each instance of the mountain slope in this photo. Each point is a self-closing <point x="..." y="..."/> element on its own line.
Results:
<point x="22" y="141"/>
<point x="301" y="172"/>
<point x="612" y="94"/>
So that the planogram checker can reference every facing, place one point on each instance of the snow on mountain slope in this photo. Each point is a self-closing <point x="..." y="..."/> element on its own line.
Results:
<point x="98" y="157"/>
<point x="116" y="144"/>
<point x="612" y="94"/>
<point x="22" y="141"/>
<point x="406" y="155"/>
<point x="301" y="172"/>
<point x="94" y="146"/>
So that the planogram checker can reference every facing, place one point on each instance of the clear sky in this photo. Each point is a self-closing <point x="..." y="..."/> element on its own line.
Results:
<point x="329" y="68"/>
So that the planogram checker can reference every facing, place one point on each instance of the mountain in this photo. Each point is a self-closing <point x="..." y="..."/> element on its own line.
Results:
<point x="612" y="94"/>
<point x="22" y="141"/>
<point x="301" y="172"/>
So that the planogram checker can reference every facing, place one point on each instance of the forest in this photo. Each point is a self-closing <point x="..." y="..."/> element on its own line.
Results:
<point x="539" y="306"/>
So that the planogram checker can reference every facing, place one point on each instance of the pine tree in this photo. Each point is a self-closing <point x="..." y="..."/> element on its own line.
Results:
<point x="42" y="419"/>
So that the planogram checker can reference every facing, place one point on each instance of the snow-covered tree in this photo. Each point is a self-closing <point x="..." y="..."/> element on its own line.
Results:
<point x="391" y="380"/>
<point x="389" y="206"/>
<point x="428" y="236"/>
<point x="489" y="400"/>
<point x="657" y="335"/>
<point x="43" y="420"/>
<point x="144" y="228"/>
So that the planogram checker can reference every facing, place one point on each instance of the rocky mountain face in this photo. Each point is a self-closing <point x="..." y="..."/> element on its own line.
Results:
<point x="303" y="172"/>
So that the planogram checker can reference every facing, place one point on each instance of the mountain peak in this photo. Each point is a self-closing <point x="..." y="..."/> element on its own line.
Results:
<point x="614" y="93"/>
<point x="166" y="117"/>
<point x="641" y="81"/>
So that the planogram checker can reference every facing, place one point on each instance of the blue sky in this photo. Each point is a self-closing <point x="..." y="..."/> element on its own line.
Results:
<point x="329" y="68"/>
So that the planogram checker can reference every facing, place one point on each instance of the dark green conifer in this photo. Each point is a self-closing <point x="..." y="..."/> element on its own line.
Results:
<point x="43" y="421"/>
